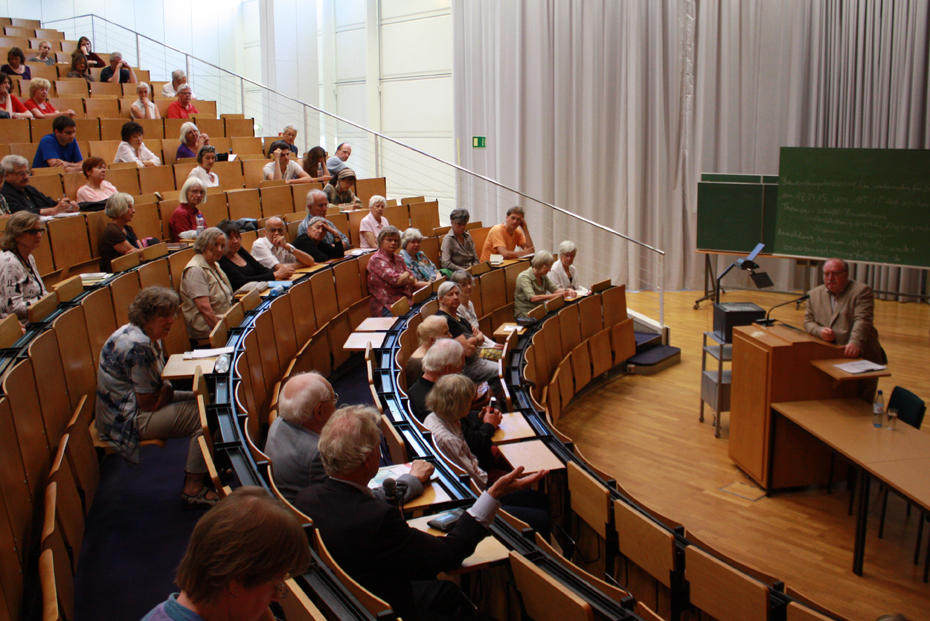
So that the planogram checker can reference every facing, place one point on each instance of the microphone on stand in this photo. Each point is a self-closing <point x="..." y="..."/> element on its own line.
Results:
<point x="769" y="322"/>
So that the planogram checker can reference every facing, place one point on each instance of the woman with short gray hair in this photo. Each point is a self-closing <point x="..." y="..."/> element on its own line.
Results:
<point x="466" y="311"/>
<point x="205" y="291"/>
<point x="458" y="248"/>
<point x="388" y="277"/>
<point x="117" y="237"/>
<point x="415" y="259"/>
<point x="371" y="226"/>
<point x="134" y="403"/>
<point x="191" y="141"/>
<point x="562" y="274"/>
<point x="21" y="285"/>
<point x="533" y="287"/>
<point x="477" y="368"/>
<point x="186" y="215"/>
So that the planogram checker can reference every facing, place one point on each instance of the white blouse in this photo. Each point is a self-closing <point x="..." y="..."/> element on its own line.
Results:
<point x="210" y="179"/>
<point x="125" y="153"/>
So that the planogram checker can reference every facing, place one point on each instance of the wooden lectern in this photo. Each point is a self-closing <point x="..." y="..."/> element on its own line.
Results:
<point x="773" y="364"/>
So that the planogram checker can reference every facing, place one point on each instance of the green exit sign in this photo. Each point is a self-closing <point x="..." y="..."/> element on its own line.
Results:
<point x="478" y="142"/>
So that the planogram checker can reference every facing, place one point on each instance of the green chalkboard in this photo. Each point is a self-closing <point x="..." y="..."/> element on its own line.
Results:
<point x="868" y="205"/>
<point x="735" y="212"/>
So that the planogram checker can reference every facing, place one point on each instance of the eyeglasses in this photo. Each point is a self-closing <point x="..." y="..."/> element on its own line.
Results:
<point x="35" y="231"/>
<point x="276" y="229"/>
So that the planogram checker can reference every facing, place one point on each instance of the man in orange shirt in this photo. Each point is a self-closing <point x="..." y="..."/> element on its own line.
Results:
<point x="504" y="239"/>
<point x="182" y="108"/>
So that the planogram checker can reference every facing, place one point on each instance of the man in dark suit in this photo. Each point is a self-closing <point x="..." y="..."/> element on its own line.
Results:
<point x="369" y="537"/>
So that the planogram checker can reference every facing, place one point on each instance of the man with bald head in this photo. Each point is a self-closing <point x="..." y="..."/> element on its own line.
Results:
<point x="306" y="402"/>
<point x="840" y="311"/>
<point x="316" y="208"/>
<point x="274" y="248"/>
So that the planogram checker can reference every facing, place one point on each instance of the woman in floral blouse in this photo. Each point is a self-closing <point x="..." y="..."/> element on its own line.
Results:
<point x="415" y="259"/>
<point x="20" y="283"/>
<point x="388" y="276"/>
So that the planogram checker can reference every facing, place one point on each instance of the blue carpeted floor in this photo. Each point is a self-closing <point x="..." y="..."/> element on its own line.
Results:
<point x="138" y="527"/>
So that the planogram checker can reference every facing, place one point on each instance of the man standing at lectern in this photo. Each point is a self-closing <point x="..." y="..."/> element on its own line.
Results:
<point x="840" y="311"/>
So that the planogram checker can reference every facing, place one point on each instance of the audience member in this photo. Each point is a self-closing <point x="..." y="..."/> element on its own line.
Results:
<point x="84" y="47"/>
<point x="274" y="248"/>
<point x="117" y="237"/>
<point x="184" y="216"/>
<point x="134" y="403"/>
<point x="313" y="242"/>
<point x="38" y="103"/>
<point x="79" y="68"/>
<point x="337" y="162"/>
<point x="388" y="277"/>
<point x="16" y="64"/>
<point x="132" y="149"/>
<point x="373" y="223"/>
<point x="282" y="166"/>
<point x="289" y="135"/>
<point x="504" y="239"/>
<point x="18" y="195"/>
<point x="206" y="158"/>
<point x="239" y="555"/>
<point x="45" y="55"/>
<point x="341" y="193"/>
<point x="144" y="107"/>
<point x="20" y="283"/>
<point x="60" y="147"/>
<point x="467" y="309"/>
<point x="118" y="70"/>
<point x="97" y="188"/>
<point x="429" y="331"/>
<point x="458" y="248"/>
<point x="316" y="208"/>
<point x="315" y="165"/>
<point x="562" y="273"/>
<point x="178" y="79"/>
<point x="182" y="108"/>
<point x="415" y="259"/>
<point x="9" y="102"/>
<point x="191" y="141"/>
<point x="205" y="291"/>
<point x="241" y="267"/>
<point x="370" y="539"/>
<point x="449" y="402"/>
<point x="476" y="367"/>
<point x="533" y="287"/>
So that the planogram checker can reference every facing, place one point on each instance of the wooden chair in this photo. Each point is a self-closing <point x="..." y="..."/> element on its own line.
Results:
<point x="590" y="502"/>
<point x="20" y="389"/>
<point x="395" y="442"/>
<point x="124" y="262"/>
<point x="10" y="331"/>
<point x="99" y="305"/>
<point x="723" y="591"/>
<point x="601" y="356"/>
<point x="70" y="329"/>
<point x="545" y="598"/>
<point x="19" y="505"/>
<point x="371" y="602"/>
<point x="54" y="406"/>
<point x="303" y="517"/>
<point x="211" y="465"/>
<point x="69" y="505"/>
<point x="81" y="453"/>
<point x="55" y="573"/>
<point x="612" y="591"/>
<point x="297" y="606"/>
<point x="580" y="359"/>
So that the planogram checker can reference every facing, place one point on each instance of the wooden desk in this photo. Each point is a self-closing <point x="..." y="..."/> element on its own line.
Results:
<point x="533" y="455"/>
<point x="376" y="324"/>
<point x="828" y="366"/>
<point x="503" y="331"/>
<point x="899" y="458"/>
<point x="300" y="271"/>
<point x="513" y="427"/>
<point x="179" y="368"/>
<point x="358" y="341"/>
<point x="488" y="551"/>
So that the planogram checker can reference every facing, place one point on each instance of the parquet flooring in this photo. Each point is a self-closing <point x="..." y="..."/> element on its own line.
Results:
<point x="645" y="431"/>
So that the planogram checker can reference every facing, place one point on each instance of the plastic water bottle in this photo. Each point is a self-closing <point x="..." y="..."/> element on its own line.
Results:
<point x="201" y="223"/>
<point x="878" y="410"/>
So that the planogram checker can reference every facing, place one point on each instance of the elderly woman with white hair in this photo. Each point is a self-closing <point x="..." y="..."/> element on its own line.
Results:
<point x="20" y="283"/>
<point x="187" y="214"/>
<point x="143" y="107"/>
<point x="117" y="237"/>
<point x="369" y="229"/>
<point x="562" y="273"/>
<point x="314" y="242"/>
<point x="478" y="369"/>
<point x="429" y="331"/>
<point x="191" y="141"/>
<point x="466" y="311"/>
<point x="205" y="291"/>
<point x="38" y="104"/>
<point x="534" y="287"/>
<point x="416" y="260"/>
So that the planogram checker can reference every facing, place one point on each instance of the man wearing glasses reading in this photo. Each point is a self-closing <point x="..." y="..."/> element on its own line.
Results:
<point x="840" y="311"/>
<point x="17" y="195"/>
<point x="274" y="248"/>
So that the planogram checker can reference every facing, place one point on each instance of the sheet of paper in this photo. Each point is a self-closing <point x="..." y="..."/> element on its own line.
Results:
<point x="207" y="353"/>
<point x="860" y="366"/>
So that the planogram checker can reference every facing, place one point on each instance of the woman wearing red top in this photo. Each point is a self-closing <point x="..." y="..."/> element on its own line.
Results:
<point x="182" y="108"/>
<point x="38" y="102"/>
<point x="184" y="217"/>
<point x="8" y="101"/>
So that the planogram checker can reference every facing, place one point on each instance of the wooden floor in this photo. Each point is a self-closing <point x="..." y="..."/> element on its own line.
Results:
<point x="645" y="431"/>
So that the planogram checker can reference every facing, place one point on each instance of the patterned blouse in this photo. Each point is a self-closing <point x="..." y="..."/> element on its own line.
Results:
<point x="20" y="284"/>
<point x="420" y="265"/>
<point x="384" y="269"/>
<point x="130" y="363"/>
<point x="451" y="441"/>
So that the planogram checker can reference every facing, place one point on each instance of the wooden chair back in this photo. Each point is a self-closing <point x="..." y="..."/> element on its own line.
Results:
<point x="371" y="602"/>
<point x="723" y="591"/>
<point x="544" y="597"/>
